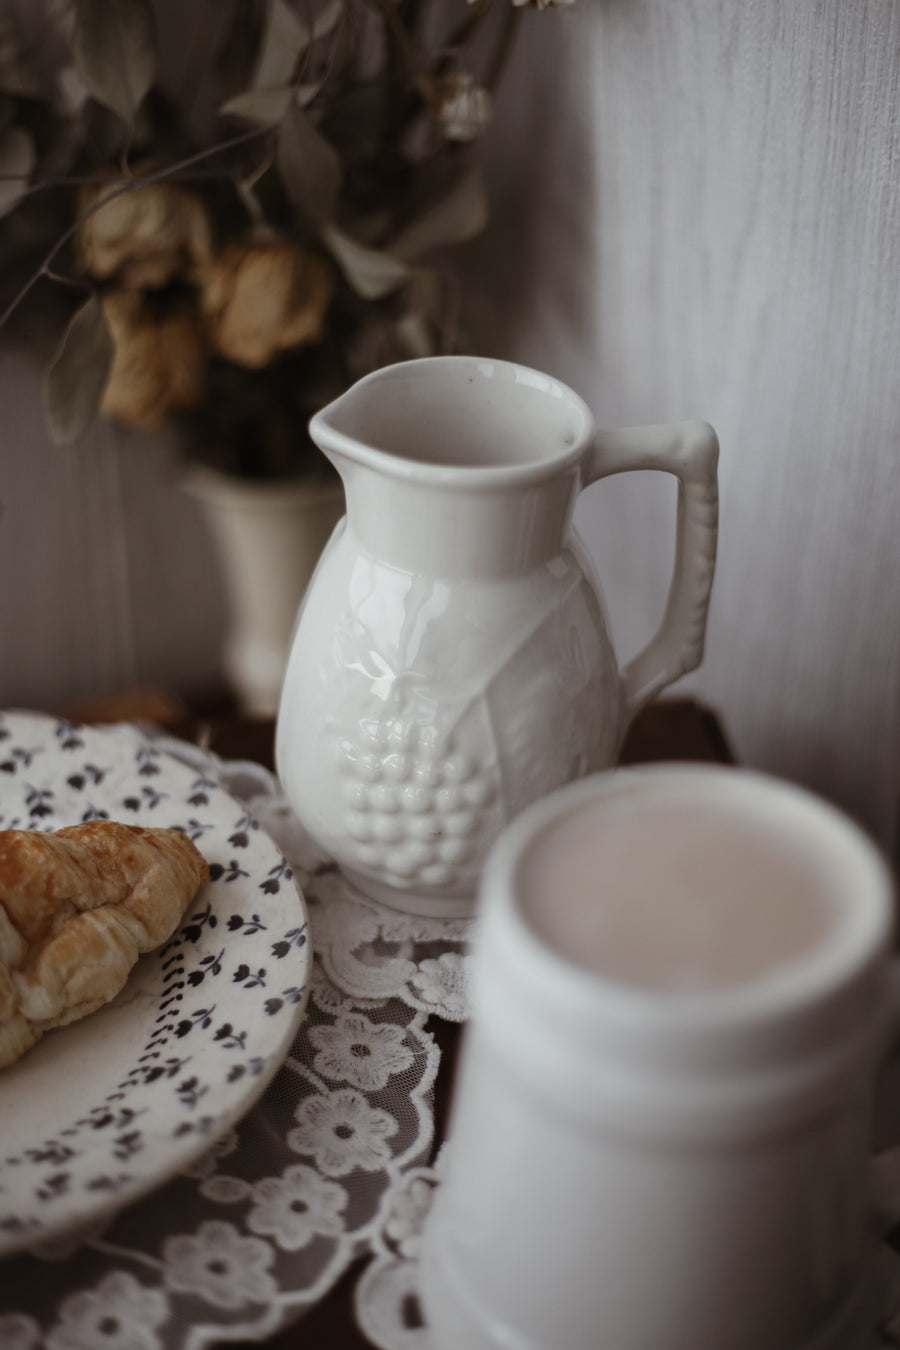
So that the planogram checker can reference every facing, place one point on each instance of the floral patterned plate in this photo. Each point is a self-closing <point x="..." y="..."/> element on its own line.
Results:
<point x="106" y="1109"/>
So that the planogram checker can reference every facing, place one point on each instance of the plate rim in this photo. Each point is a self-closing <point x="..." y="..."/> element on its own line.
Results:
<point x="84" y="1209"/>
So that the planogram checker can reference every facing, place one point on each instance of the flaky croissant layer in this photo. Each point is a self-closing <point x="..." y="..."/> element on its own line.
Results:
<point x="77" y="909"/>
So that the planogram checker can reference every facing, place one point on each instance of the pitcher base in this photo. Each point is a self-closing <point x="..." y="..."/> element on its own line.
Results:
<point x="411" y="901"/>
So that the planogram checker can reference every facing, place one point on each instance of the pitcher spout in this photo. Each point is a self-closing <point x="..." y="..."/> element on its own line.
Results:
<point x="457" y="465"/>
<point x="455" y="413"/>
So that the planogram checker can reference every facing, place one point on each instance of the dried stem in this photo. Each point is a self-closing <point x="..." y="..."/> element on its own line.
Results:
<point x="398" y="32"/>
<point x="63" y="280"/>
<point x="130" y="186"/>
<point x="333" y="49"/>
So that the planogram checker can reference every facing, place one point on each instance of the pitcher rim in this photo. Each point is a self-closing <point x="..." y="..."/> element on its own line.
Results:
<point x="497" y="476"/>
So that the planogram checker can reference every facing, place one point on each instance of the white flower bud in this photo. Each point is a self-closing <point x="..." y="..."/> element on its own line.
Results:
<point x="464" y="108"/>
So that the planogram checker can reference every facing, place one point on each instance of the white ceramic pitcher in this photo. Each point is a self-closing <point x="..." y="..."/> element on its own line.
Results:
<point x="450" y="661"/>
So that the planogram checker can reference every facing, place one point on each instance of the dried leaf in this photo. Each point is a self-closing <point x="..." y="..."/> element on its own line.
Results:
<point x="115" y="52"/>
<point x="236" y="55"/>
<point x="77" y="378"/>
<point x="71" y="91"/>
<point x="286" y="36"/>
<point x="246" y="190"/>
<point x="327" y="18"/>
<point x="414" y="336"/>
<point x="265" y="107"/>
<point x="61" y="15"/>
<point x="17" y="160"/>
<point x="371" y="274"/>
<point x="309" y="166"/>
<point x="455" y="219"/>
<point x="17" y="73"/>
<point x="356" y="120"/>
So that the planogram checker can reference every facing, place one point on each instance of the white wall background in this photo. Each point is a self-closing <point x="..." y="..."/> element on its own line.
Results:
<point x="696" y="214"/>
<point x="108" y="576"/>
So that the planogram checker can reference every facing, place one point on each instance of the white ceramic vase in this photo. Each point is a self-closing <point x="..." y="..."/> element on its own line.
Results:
<point x="268" y="536"/>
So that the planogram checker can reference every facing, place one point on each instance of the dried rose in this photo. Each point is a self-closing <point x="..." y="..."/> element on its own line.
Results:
<point x="146" y="237"/>
<point x="264" y="298"/>
<point x="159" y="364"/>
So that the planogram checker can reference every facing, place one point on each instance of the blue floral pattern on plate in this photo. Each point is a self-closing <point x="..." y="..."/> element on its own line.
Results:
<point x="104" y="1110"/>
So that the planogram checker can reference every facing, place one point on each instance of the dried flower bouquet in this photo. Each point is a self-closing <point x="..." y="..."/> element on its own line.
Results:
<point x="250" y="202"/>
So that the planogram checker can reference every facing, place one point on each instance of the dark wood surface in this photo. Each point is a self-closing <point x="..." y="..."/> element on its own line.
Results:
<point x="671" y="729"/>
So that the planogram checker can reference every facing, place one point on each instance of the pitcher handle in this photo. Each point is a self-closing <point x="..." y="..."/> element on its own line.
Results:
<point x="689" y="450"/>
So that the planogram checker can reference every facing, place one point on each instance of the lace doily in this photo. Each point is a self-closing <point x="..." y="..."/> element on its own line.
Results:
<point x="263" y="1226"/>
<point x="328" y="1166"/>
<point x="368" y="951"/>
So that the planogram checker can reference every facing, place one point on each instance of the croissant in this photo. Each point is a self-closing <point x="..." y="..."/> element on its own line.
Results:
<point x="77" y="909"/>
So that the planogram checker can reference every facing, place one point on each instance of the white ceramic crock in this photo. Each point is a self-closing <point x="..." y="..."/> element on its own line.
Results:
<point x="634" y="1169"/>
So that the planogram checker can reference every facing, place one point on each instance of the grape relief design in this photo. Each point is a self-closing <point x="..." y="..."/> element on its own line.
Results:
<point x="435" y="749"/>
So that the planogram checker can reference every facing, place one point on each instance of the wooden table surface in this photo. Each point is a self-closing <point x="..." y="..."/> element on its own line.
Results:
<point x="667" y="730"/>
